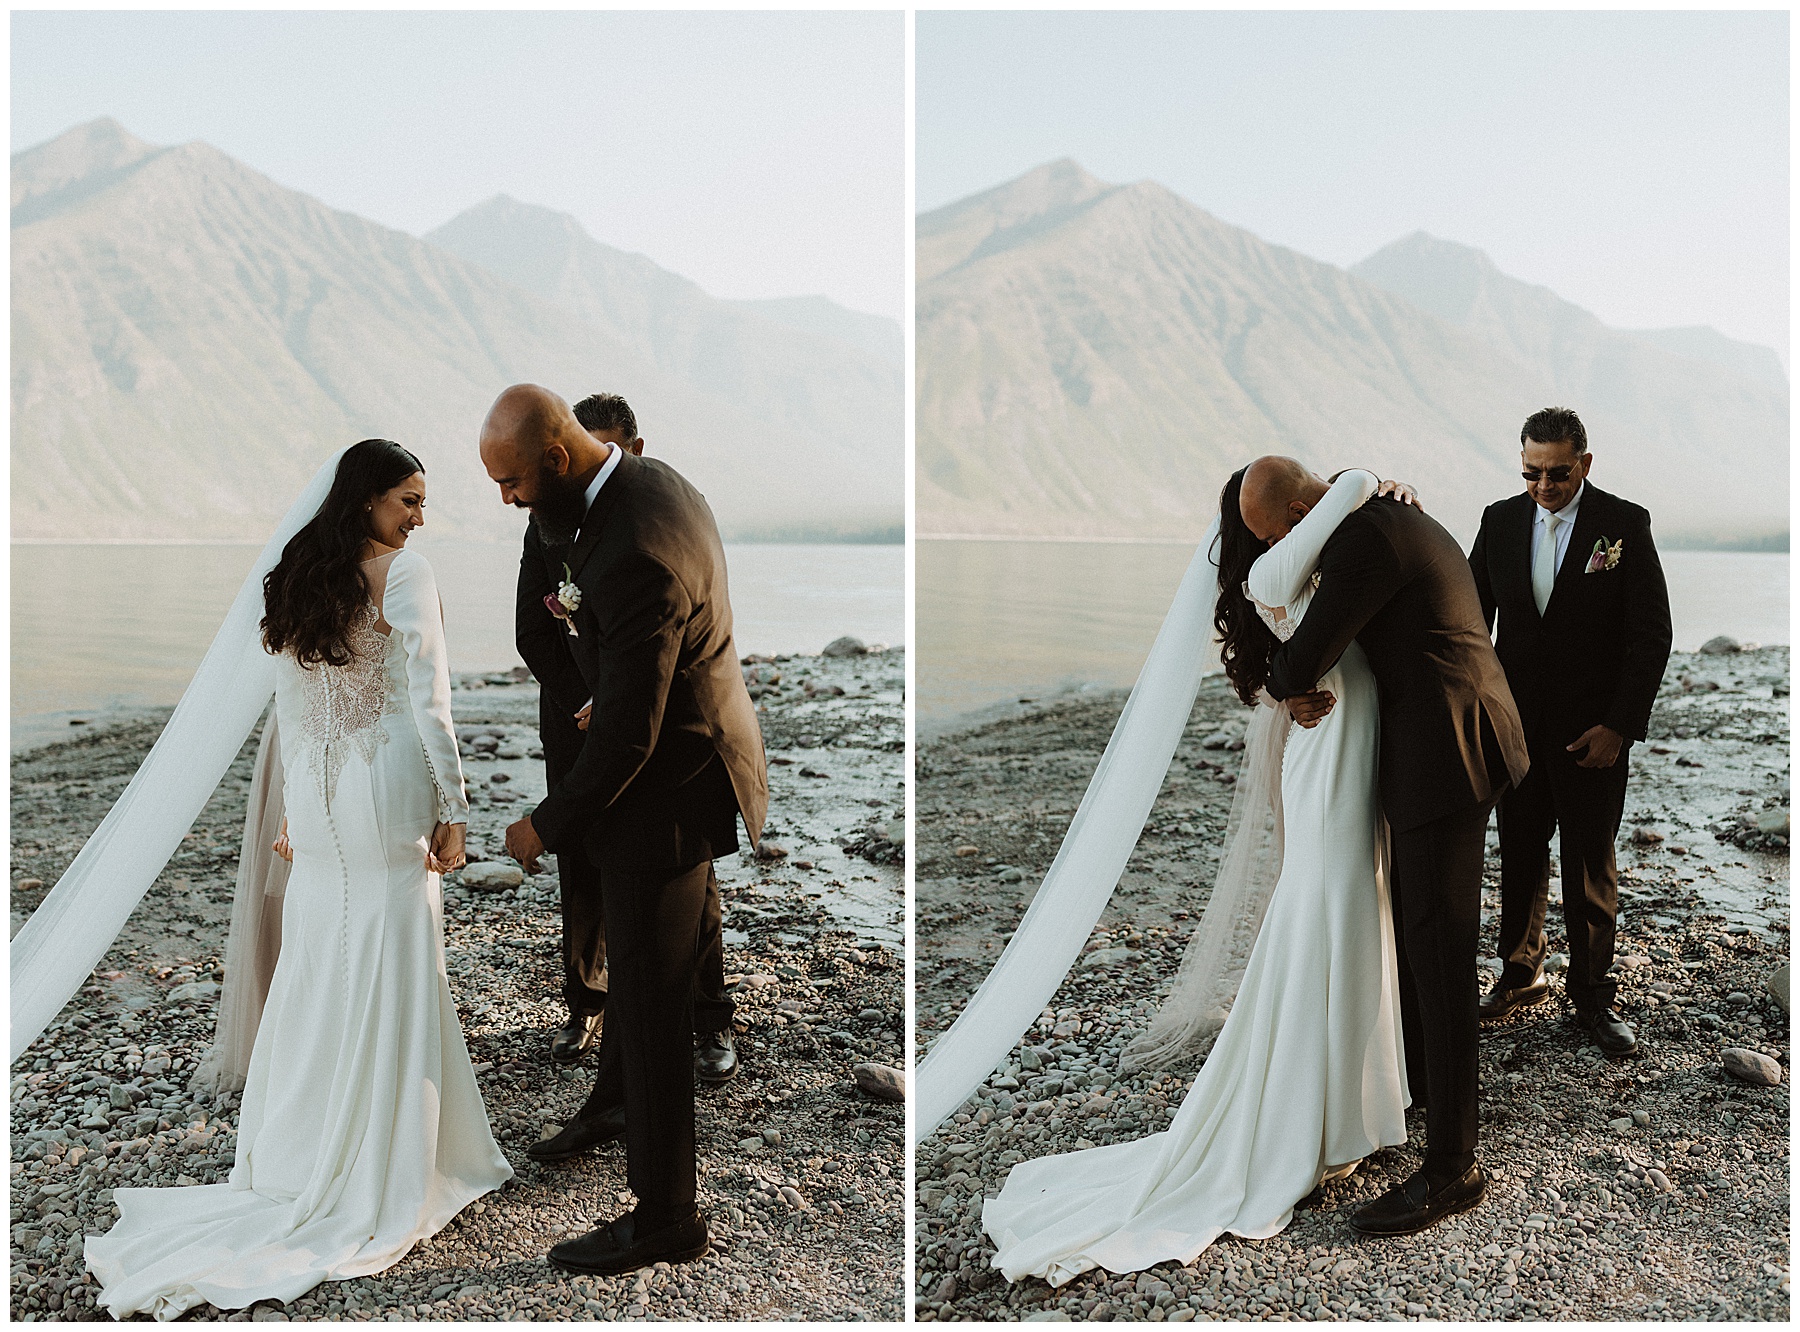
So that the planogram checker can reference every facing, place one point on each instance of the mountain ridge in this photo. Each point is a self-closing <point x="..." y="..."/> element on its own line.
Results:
<point x="191" y="339"/>
<point x="1098" y="366"/>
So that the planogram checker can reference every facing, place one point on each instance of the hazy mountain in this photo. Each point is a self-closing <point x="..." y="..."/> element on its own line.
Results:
<point x="1700" y="343"/>
<point x="190" y="341"/>
<point x="876" y="335"/>
<point x="1096" y="359"/>
<point x="794" y="383"/>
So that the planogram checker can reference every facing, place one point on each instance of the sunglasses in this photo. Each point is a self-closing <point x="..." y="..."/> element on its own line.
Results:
<point x="1555" y="475"/>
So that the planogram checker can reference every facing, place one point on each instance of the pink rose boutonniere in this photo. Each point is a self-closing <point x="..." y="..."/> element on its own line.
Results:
<point x="1605" y="558"/>
<point x="565" y="601"/>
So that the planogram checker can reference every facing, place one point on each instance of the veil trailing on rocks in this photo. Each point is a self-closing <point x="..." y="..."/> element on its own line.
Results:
<point x="1094" y="853"/>
<point x="69" y="933"/>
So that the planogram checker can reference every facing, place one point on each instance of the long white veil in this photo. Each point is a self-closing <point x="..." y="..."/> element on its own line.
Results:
<point x="78" y="920"/>
<point x="1096" y="848"/>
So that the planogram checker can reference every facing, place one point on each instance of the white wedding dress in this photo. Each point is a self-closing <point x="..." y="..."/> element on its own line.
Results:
<point x="362" y="1129"/>
<point x="1306" y="1076"/>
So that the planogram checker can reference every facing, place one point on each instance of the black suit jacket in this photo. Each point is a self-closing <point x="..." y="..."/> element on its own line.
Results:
<point x="1596" y="655"/>
<point x="673" y="755"/>
<point x="1396" y="582"/>
<point x="544" y="645"/>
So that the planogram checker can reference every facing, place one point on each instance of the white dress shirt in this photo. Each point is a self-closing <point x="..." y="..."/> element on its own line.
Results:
<point x="1565" y="519"/>
<point x="611" y="465"/>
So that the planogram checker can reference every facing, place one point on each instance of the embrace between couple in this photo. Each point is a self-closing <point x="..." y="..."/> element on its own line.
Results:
<point x="362" y="1129"/>
<point x="1333" y="974"/>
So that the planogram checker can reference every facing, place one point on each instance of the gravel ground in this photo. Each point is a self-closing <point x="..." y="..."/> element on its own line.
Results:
<point x="801" y="1172"/>
<point x="1647" y="1188"/>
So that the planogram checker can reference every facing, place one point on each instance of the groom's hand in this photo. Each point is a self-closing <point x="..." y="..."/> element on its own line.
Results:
<point x="524" y="845"/>
<point x="1602" y="744"/>
<point x="1310" y="709"/>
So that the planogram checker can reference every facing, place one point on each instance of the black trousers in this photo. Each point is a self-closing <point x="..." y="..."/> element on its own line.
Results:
<point x="584" y="910"/>
<point x="1435" y="883"/>
<point x="1586" y="804"/>
<point x="655" y="921"/>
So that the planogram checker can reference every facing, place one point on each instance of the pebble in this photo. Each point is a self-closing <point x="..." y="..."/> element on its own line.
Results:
<point x="881" y="1081"/>
<point x="492" y="876"/>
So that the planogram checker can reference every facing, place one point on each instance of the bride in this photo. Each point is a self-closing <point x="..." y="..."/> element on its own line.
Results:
<point x="1305" y="1075"/>
<point x="362" y="1129"/>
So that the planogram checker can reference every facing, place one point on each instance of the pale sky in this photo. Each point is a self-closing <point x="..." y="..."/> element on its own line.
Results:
<point x="1634" y="163"/>
<point x="758" y="154"/>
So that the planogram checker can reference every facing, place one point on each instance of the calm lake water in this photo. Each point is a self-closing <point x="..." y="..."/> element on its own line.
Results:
<point x="996" y="620"/>
<point x="105" y="628"/>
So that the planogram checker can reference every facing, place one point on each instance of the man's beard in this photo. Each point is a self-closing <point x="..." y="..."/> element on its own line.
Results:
<point x="560" y="507"/>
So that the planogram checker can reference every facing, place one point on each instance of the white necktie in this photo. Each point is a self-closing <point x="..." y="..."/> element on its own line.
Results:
<point x="1543" y="569"/>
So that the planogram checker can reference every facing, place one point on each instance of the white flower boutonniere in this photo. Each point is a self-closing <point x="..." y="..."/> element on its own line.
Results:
<point x="565" y="602"/>
<point x="1605" y="558"/>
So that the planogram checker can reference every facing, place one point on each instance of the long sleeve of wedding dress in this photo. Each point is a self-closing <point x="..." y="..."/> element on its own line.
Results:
<point x="411" y="607"/>
<point x="1283" y="572"/>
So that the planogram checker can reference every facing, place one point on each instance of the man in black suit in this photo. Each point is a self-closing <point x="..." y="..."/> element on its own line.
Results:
<point x="1396" y="582"/>
<point x="1584" y="636"/>
<point x="671" y="759"/>
<point x="564" y="706"/>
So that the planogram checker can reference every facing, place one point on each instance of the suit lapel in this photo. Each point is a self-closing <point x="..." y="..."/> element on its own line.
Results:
<point x="1513" y="553"/>
<point x="604" y="503"/>
<point x="1588" y="525"/>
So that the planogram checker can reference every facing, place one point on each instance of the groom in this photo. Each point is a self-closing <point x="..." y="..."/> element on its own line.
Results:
<point x="564" y="708"/>
<point x="671" y="758"/>
<point x="1396" y="582"/>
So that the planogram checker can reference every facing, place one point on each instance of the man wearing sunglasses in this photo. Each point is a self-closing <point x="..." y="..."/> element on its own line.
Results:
<point x="1584" y="635"/>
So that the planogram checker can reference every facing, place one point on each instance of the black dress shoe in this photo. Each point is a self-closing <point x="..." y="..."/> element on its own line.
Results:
<point x="580" y="1135"/>
<point x="567" y="1043"/>
<point x="1410" y="1207"/>
<point x="716" y="1057"/>
<point x="616" y="1247"/>
<point x="1610" y="1031"/>
<point x="1499" y="1003"/>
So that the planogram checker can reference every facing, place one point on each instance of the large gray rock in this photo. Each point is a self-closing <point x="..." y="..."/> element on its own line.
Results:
<point x="880" y="1081"/>
<point x="1749" y="1066"/>
<point x="193" y="992"/>
<point x="845" y="647"/>
<point x="1722" y="646"/>
<point x="492" y="876"/>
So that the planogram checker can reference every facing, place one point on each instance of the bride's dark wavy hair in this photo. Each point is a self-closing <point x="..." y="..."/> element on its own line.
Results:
<point x="311" y="597"/>
<point x="1246" y="645"/>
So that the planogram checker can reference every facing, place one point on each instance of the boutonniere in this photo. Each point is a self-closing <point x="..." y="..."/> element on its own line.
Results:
<point x="1605" y="558"/>
<point x="565" y="601"/>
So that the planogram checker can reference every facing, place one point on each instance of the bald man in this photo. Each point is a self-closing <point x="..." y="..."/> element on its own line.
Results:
<point x="1396" y="582"/>
<point x="671" y="760"/>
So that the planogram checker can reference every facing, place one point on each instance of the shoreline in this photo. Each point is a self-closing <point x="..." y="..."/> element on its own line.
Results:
<point x="1575" y="1224"/>
<point x="802" y="1173"/>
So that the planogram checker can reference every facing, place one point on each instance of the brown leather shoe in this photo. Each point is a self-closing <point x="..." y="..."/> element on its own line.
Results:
<point x="1608" y="1030"/>
<point x="567" y="1042"/>
<point x="1412" y="1206"/>
<point x="1501" y="1003"/>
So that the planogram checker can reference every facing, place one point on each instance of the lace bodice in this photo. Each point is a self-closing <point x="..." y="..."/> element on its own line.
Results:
<point x="343" y="707"/>
<point x="352" y="709"/>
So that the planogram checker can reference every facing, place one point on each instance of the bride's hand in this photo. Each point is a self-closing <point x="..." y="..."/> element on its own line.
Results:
<point x="447" y="848"/>
<point x="1401" y="491"/>
<point x="280" y="846"/>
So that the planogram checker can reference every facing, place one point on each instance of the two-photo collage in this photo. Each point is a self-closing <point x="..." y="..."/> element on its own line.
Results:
<point x="900" y="665"/>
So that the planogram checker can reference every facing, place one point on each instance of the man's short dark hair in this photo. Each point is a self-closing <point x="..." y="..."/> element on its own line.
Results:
<point x="607" y="411"/>
<point x="1555" y="425"/>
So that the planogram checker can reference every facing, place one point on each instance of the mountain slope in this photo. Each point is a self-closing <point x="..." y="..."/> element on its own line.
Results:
<point x="190" y="341"/>
<point x="794" y="382"/>
<point x="1095" y="360"/>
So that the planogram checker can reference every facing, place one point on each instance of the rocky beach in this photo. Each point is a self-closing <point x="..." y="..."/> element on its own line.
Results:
<point x="1651" y="1188"/>
<point x="802" y="1155"/>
